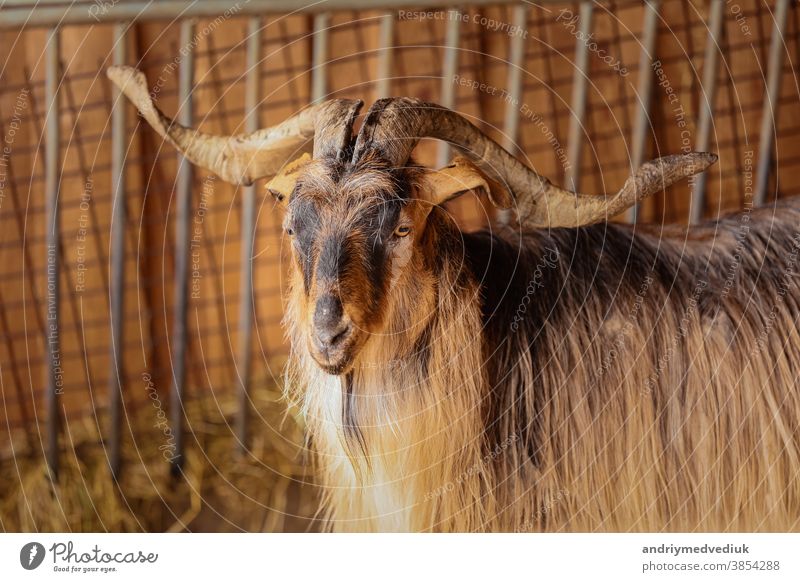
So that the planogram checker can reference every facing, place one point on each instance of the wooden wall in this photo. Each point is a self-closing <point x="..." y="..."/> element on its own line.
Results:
<point x="355" y="40"/>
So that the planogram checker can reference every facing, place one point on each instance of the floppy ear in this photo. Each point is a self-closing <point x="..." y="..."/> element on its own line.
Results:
<point x="461" y="176"/>
<point x="282" y="185"/>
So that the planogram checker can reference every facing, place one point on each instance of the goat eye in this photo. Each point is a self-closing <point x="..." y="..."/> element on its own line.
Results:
<point x="402" y="231"/>
<point x="289" y="230"/>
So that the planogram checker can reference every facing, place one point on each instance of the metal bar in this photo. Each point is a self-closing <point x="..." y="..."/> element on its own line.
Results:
<point x="514" y="92"/>
<point x="579" y="82"/>
<point x="319" y="57"/>
<point x="516" y="62"/>
<point x="385" y="56"/>
<point x="29" y="2"/>
<point x="182" y="250"/>
<point x="252" y="99"/>
<point x="52" y="159"/>
<point x="28" y="14"/>
<point x="705" y="119"/>
<point x="641" y="125"/>
<point x="774" y="78"/>
<point x="117" y="284"/>
<point x="452" y="39"/>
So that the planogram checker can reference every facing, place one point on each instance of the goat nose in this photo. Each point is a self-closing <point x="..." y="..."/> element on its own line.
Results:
<point x="329" y="323"/>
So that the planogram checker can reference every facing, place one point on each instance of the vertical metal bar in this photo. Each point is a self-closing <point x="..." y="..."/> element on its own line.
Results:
<point x="319" y="57"/>
<point x="385" y="56"/>
<point x="52" y="159"/>
<point x="774" y="78"/>
<point x="452" y="39"/>
<point x="118" y="220"/>
<point x="710" y="74"/>
<point x="579" y="82"/>
<point x="516" y="62"/>
<point x="182" y="223"/>
<point x="641" y="125"/>
<point x="252" y="98"/>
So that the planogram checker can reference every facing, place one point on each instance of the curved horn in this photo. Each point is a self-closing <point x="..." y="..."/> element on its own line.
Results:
<point x="394" y="126"/>
<point x="244" y="158"/>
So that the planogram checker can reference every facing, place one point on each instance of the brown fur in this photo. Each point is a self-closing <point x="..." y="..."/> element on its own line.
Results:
<point x="451" y="421"/>
<point x="590" y="378"/>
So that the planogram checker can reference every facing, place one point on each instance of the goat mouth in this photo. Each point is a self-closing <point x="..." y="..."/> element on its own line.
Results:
<point x="335" y="367"/>
<point x="335" y="362"/>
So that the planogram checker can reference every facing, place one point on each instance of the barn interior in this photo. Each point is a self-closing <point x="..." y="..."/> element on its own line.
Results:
<point x="166" y="284"/>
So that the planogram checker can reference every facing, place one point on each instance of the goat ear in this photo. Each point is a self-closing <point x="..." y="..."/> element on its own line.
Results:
<point x="458" y="178"/>
<point x="282" y="185"/>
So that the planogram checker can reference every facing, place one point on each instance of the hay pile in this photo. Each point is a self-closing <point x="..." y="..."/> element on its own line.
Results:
<point x="267" y="489"/>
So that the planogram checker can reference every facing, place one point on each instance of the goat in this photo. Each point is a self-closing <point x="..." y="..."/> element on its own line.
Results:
<point x="562" y="373"/>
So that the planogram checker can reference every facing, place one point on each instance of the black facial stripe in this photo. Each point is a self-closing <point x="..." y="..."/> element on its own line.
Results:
<point x="378" y="266"/>
<point x="328" y="244"/>
<point x="304" y="222"/>
<point x="334" y="255"/>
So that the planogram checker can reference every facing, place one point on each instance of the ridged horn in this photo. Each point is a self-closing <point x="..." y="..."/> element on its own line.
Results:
<point x="324" y="128"/>
<point x="394" y="126"/>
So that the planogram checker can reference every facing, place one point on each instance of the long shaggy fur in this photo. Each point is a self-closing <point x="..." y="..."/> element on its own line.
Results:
<point x="601" y="378"/>
<point x="596" y="378"/>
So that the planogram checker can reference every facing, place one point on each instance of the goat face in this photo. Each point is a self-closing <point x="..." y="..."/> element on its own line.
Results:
<point x="358" y="218"/>
<point x="355" y="234"/>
